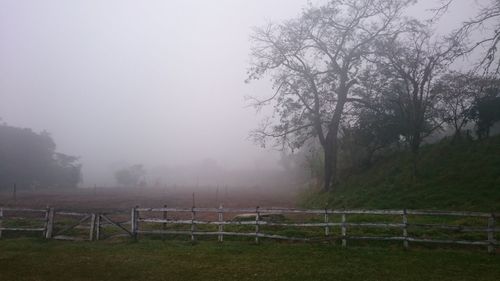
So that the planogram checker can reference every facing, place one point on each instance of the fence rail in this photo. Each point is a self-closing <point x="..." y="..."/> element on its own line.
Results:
<point x="95" y="222"/>
<point x="258" y="213"/>
<point x="227" y="220"/>
<point x="40" y="212"/>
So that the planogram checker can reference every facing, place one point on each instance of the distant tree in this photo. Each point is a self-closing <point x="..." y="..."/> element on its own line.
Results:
<point x="132" y="176"/>
<point x="411" y="62"/>
<point x="314" y="61"/>
<point x="373" y="131"/>
<point x="375" y="123"/>
<point x="28" y="158"/>
<point x="486" y="111"/>
<point x="302" y="165"/>
<point x="457" y="93"/>
<point x="314" y="162"/>
<point x="66" y="170"/>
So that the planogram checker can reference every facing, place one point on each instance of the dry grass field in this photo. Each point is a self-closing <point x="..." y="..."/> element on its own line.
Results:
<point x="115" y="199"/>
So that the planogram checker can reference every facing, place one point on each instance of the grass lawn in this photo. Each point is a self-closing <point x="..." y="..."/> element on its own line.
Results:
<point x="148" y="259"/>
<point x="460" y="176"/>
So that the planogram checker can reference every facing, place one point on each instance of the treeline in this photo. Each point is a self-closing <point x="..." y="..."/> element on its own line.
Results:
<point x="29" y="160"/>
<point x="459" y="106"/>
<point x="359" y="77"/>
<point x="208" y="173"/>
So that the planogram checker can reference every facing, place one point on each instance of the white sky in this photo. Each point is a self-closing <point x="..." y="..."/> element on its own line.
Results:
<point x="152" y="82"/>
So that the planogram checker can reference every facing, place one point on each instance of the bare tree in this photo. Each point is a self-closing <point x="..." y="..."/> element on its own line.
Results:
<point x="486" y="24"/>
<point x="458" y="92"/>
<point x="411" y="61"/>
<point x="314" y="61"/>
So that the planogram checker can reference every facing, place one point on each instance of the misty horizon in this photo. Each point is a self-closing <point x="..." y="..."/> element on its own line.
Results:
<point x="163" y="84"/>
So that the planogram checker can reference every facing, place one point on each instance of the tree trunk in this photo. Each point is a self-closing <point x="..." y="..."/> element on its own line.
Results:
<point x="331" y="144"/>
<point x="328" y="172"/>
<point x="415" y="146"/>
<point x="331" y="153"/>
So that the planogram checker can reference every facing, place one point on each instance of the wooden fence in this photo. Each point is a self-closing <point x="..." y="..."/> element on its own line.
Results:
<point x="225" y="222"/>
<point x="489" y="229"/>
<point x="42" y="215"/>
<point x="93" y="222"/>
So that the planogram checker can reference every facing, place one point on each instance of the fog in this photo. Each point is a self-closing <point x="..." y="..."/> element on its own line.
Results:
<point x="158" y="83"/>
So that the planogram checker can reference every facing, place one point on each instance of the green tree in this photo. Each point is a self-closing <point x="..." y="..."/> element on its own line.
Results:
<point x="29" y="158"/>
<point x="411" y="62"/>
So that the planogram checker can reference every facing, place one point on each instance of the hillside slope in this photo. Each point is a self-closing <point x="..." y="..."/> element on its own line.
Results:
<point x="452" y="176"/>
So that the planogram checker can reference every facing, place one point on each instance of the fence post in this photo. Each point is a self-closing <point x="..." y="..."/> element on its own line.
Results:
<point x="46" y="221"/>
<point x="1" y="219"/>
<point x="405" y="228"/>
<point x="193" y="216"/>
<point x="14" y="194"/>
<point x="136" y="223"/>
<point x="221" y="226"/>
<point x="257" y="228"/>
<point x="92" y="227"/>
<point x="217" y="195"/>
<point x="165" y="216"/>
<point x="49" y="226"/>
<point x="491" y="234"/>
<point x="327" y="228"/>
<point x="133" y="222"/>
<point x="98" y="227"/>
<point x="344" y="230"/>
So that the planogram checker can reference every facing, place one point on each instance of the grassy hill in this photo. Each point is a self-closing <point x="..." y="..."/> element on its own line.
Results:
<point x="452" y="176"/>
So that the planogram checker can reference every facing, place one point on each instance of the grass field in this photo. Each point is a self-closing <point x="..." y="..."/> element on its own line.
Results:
<point x="464" y="176"/>
<point x="451" y="176"/>
<point x="34" y="259"/>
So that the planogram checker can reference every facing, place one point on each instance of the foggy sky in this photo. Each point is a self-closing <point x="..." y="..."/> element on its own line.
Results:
<point x="151" y="82"/>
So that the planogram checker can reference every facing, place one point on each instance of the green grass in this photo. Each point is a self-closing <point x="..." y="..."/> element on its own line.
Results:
<point x="458" y="176"/>
<point x="34" y="259"/>
<point x="451" y="176"/>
